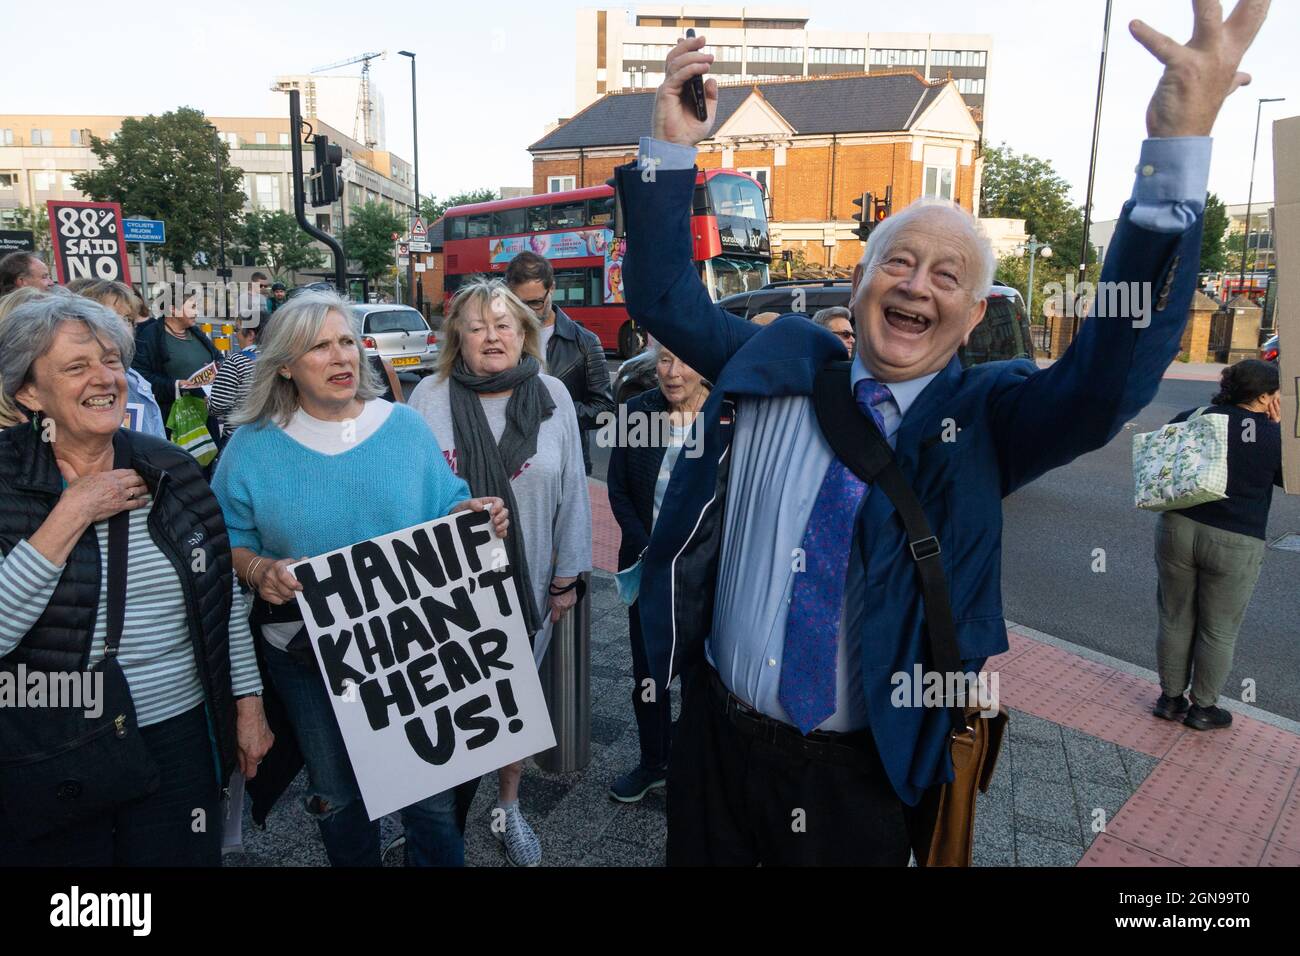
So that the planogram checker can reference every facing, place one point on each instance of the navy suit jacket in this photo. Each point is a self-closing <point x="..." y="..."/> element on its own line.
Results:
<point x="1016" y="422"/>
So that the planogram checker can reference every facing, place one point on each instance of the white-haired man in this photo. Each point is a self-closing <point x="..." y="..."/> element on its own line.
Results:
<point x="784" y="590"/>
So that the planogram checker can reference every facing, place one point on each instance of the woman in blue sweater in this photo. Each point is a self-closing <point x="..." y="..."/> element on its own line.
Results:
<point x="1209" y="555"/>
<point x="324" y="463"/>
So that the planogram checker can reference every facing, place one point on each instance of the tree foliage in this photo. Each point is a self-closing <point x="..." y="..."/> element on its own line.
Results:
<point x="35" y="219"/>
<point x="165" y="167"/>
<point x="1020" y="186"/>
<point x="368" y="238"/>
<point x="274" y="237"/>
<point x="1214" y="236"/>
<point x="431" y="207"/>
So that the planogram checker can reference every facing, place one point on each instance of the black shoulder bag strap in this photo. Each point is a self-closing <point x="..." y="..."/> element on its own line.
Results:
<point x="858" y="443"/>
<point x="119" y="536"/>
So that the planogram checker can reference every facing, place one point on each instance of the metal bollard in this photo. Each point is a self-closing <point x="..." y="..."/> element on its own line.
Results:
<point x="566" y="684"/>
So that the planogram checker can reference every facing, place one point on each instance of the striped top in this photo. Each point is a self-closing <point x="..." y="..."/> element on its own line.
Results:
<point x="232" y="384"/>
<point x="156" y="653"/>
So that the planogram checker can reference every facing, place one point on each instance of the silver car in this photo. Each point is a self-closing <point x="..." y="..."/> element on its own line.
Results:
<point x="400" y="335"/>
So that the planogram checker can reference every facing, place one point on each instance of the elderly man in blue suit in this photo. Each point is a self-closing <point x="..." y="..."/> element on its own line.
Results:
<point x="778" y="585"/>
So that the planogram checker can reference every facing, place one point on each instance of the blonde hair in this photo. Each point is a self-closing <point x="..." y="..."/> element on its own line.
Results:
<point x="107" y="292"/>
<point x="468" y="305"/>
<point x="9" y="413"/>
<point x="288" y="337"/>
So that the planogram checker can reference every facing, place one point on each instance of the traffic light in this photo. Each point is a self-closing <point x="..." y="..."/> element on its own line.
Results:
<point x="326" y="183"/>
<point x="864" y="219"/>
<point x="884" y="207"/>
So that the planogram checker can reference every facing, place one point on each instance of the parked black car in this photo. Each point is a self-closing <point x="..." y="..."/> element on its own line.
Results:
<point x="1003" y="334"/>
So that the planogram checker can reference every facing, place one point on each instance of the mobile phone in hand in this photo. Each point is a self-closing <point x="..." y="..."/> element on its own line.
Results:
<point x="693" y="94"/>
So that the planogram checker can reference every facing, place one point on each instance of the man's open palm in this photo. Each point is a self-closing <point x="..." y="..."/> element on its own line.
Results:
<point x="1200" y="74"/>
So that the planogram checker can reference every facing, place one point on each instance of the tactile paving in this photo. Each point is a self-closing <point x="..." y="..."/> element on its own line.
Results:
<point x="1183" y="837"/>
<point x="1206" y="754"/>
<point x="1277" y="855"/>
<point x="1034" y="698"/>
<point x="1148" y="735"/>
<point x="605" y="534"/>
<point x="1108" y="851"/>
<point x="1071" y="676"/>
<point x="1258" y="738"/>
<point x="1250" y="805"/>
<point x="1133" y="695"/>
<point x="1287" y="831"/>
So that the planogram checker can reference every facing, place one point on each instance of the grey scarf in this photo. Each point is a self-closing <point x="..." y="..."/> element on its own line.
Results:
<point x="488" y="466"/>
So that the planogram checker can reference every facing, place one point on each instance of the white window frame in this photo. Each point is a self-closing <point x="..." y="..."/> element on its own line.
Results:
<point x="938" y="182"/>
<point x="259" y="139"/>
<point x="284" y="139"/>
<point x="552" y="180"/>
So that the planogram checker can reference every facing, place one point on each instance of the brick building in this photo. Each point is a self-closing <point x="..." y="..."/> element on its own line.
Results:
<point x="815" y="144"/>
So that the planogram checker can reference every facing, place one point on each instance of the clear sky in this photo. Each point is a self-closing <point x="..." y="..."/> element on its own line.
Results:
<point x="492" y="75"/>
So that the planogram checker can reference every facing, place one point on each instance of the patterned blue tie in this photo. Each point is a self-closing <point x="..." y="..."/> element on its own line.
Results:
<point x="807" y="689"/>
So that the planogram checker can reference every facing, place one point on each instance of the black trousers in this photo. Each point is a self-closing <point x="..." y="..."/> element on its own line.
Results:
<point x="654" y="718"/>
<point x="745" y="790"/>
<point x="179" y="825"/>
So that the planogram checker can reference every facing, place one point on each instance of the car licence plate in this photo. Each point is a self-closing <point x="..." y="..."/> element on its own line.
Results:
<point x="400" y="362"/>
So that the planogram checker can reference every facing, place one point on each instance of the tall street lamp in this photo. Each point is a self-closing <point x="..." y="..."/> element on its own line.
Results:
<point x="1033" y="248"/>
<point x="1092" y="162"/>
<point x="415" y="132"/>
<point x="1250" y="194"/>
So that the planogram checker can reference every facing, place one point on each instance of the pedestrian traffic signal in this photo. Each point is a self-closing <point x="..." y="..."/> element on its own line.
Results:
<point x="884" y="207"/>
<point x="326" y="183"/>
<point x="864" y="219"/>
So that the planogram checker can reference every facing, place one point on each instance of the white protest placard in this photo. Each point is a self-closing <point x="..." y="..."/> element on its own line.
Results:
<point x="423" y="649"/>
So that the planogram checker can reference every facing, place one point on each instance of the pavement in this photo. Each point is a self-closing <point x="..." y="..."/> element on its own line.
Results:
<point x="1087" y="776"/>
<point x="1193" y="371"/>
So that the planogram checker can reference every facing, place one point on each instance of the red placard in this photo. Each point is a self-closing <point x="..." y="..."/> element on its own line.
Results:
<point x="87" y="240"/>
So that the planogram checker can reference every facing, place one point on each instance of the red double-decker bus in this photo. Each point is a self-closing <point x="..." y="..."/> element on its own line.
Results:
<point x="573" y="231"/>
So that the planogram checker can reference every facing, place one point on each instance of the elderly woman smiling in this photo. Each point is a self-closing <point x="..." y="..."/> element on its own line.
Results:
<point x="510" y="430"/>
<point x="187" y="659"/>
<point x="319" y="463"/>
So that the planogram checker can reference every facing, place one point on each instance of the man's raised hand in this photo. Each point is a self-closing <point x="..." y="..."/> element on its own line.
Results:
<point x="1201" y="74"/>
<point x="674" y="119"/>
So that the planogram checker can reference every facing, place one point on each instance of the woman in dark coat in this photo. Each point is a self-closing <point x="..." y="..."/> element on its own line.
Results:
<point x="70" y="482"/>
<point x="659" y="430"/>
<point x="1209" y="556"/>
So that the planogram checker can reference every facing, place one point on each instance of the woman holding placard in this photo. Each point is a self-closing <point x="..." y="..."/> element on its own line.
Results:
<point x="511" y="431"/>
<point x="315" y="444"/>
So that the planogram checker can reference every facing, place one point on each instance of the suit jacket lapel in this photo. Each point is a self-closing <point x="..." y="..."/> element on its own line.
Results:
<point x="923" y="418"/>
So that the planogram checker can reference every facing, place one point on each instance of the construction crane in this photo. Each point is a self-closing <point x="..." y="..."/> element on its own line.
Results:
<point x="364" y="104"/>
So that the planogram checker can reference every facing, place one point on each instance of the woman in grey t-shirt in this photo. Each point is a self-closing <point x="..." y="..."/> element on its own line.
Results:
<point x="506" y="426"/>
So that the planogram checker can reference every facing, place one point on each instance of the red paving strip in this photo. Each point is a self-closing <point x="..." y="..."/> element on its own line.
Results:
<point x="1217" y="798"/>
<point x="605" y="536"/>
<point x="1184" y="837"/>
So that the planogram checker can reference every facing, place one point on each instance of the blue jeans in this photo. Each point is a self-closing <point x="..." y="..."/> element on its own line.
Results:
<point x="350" y="837"/>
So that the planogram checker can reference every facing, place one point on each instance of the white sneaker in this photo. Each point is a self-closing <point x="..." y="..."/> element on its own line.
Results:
<point x="522" y="846"/>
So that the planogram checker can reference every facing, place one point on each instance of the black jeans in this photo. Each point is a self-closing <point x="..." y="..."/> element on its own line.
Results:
<point x="654" y="718"/>
<point x="745" y="790"/>
<point x="179" y="825"/>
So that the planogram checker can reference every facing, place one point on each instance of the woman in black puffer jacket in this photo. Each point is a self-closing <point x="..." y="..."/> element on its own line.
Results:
<point x="186" y="655"/>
